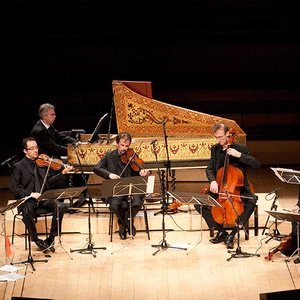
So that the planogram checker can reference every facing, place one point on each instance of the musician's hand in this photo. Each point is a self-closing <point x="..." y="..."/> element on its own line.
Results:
<point x="295" y="209"/>
<point x="114" y="176"/>
<point x="144" y="172"/>
<point x="214" y="187"/>
<point x="35" y="195"/>
<point x="67" y="169"/>
<point x="233" y="152"/>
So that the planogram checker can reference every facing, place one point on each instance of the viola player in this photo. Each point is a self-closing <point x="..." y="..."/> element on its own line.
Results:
<point x="240" y="159"/>
<point x="28" y="180"/>
<point x="113" y="166"/>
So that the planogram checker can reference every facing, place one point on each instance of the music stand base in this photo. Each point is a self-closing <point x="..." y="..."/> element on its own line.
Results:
<point x="238" y="253"/>
<point x="90" y="249"/>
<point x="164" y="245"/>
<point x="30" y="261"/>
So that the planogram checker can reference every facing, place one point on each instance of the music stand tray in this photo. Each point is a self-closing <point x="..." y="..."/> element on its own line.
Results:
<point x="134" y="185"/>
<point x="194" y="198"/>
<point x="287" y="175"/>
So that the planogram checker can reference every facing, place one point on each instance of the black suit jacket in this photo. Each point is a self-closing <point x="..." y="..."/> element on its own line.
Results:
<point x="51" y="142"/>
<point x="246" y="160"/>
<point x="111" y="163"/>
<point x="23" y="178"/>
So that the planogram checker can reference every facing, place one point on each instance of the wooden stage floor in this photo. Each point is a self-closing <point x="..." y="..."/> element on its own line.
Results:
<point x="130" y="270"/>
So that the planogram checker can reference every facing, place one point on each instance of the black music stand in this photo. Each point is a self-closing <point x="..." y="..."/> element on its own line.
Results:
<point x="187" y="198"/>
<point x="89" y="249"/>
<point x="291" y="217"/>
<point x="57" y="194"/>
<point x="30" y="259"/>
<point x="128" y="186"/>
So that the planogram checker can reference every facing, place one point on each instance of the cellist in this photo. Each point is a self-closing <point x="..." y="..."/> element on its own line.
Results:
<point x="239" y="157"/>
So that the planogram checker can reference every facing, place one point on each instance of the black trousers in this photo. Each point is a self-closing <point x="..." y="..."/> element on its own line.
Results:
<point x="249" y="206"/>
<point x="29" y="210"/>
<point x="120" y="206"/>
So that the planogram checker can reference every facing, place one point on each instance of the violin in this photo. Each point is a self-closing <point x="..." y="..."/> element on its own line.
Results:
<point x="131" y="157"/>
<point x="44" y="160"/>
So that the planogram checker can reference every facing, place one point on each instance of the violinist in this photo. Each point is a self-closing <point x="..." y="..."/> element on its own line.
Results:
<point x="29" y="180"/>
<point x="240" y="158"/>
<point x="114" y="166"/>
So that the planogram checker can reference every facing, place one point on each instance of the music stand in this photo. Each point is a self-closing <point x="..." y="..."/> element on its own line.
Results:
<point x="30" y="259"/>
<point x="291" y="217"/>
<point x="287" y="175"/>
<point x="57" y="194"/>
<point x="128" y="186"/>
<point x="195" y="198"/>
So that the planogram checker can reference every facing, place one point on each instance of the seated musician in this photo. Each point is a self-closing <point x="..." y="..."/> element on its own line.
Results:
<point x="112" y="166"/>
<point x="240" y="158"/>
<point x="28" y="180"/>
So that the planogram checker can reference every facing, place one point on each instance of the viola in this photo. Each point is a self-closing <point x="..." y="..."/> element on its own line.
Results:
<point x="286" y="247"/>
<point x="131" y="157"/>
<point x="44" y="160"/>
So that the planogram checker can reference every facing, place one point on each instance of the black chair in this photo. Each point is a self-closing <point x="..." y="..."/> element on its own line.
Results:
<point x="40" y="213"/>
<point x="111" y="222"/>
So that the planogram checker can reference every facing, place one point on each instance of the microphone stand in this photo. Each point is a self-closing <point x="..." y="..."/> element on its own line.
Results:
<point x="238" y="253"/>
<point x="276" y="234"/>
<point x="165" y="195"/>
<point x="89" y="249"/>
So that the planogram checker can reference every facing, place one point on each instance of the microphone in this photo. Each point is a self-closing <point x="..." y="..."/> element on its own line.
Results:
<point x="164" y="122"/>
<point x="274" y="192"/>
<point x="9" y="160"/>
<point x="153" y="142"/>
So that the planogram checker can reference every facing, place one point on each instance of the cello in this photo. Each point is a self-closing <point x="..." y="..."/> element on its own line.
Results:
<point x="230" y="180"/>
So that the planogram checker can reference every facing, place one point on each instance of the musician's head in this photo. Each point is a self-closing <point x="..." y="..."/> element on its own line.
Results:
<point x="221" y="133"/>
<point x="123" y="141"/>
<point x="30" y="147"/>
<point x="47" y="113"/>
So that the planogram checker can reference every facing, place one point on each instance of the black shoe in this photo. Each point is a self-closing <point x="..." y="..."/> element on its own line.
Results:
<point x="133" y="231"/>
<point x="50" y="242"/>
<point x="41" y="244"/>
<point x="229" y="241"/>
<point x="220" y="237"/>
<point x="122" y="232"/>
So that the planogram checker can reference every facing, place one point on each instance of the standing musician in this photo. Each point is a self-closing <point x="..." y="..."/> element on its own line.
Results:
<point x="240" y="158"/>
<point x="28" y="181"/>
<point x="113" y="166"/>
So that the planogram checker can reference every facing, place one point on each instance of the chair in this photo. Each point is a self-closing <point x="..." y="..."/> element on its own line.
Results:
<point x="40" y="213"/>
<point x="111" y="222"/>
<point x="247" y="227"/>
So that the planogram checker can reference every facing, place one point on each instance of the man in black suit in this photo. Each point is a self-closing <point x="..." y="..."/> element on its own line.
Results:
<point x="27" y="182"/>
<point x="112" y="167"/>
<point x="239" y="158"/>
<point x="51" y="141"/>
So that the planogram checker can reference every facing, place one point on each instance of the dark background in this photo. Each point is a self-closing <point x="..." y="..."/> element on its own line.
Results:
<point x="236" y="59"/>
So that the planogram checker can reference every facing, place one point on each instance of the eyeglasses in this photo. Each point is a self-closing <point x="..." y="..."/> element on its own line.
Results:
<point x="33" y="148"/>
<point x="219" y="136"/>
